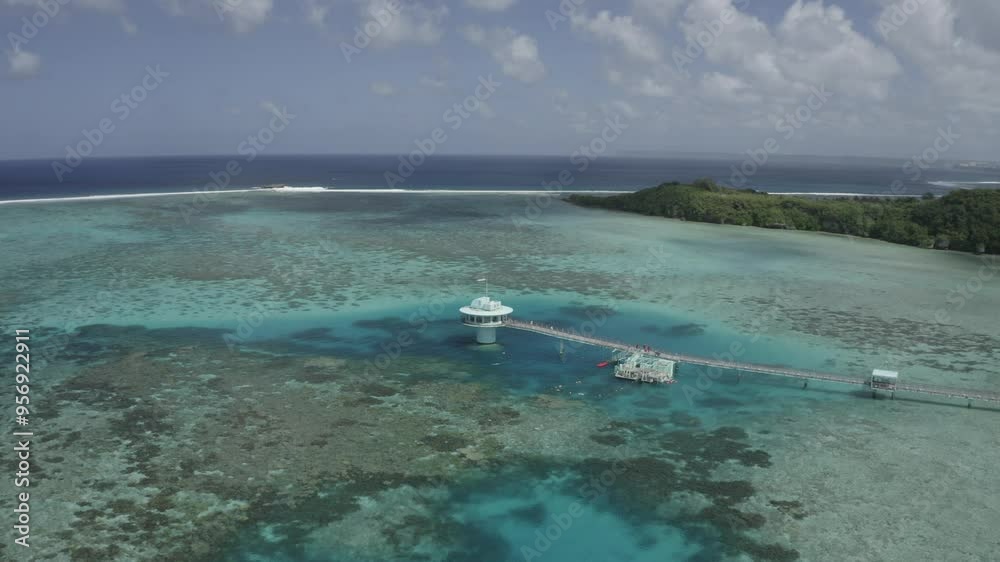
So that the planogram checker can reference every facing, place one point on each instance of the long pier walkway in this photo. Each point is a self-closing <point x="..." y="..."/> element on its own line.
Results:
<point x="568" y="335"/>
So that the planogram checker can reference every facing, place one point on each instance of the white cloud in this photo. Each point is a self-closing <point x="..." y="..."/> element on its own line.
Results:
<point x="517" y="54"/>
<point x="242" y="16"/>
<point x="819" y="45"/>
<point x="579" y="119"/>
<point x="650" y="87"/>
<point x="248" y="14"/>
<point x="977" y="22"/>
<point x="955" y="45"/>
<point x="624" y="108"/>
<point x="270" y="107"/>
<point x="433" y="83"/>
<point x="486" y="110"/>
<point x="812" y="45"/>
<point x="175" y="7"/>
<point x="741" y="27"/>
<point x="520" y="58"/>
<point x="23" y="64"/>
<point x="129" y="26"/>
<point x="380" y="88"/>
<point x="316" y="12"/>
<point x="474" y="34"/>
<point x="642" y="78"/>
<point x="727" y="89"/>
<point x="586" y="118"/>
<point x="491" y="5"/>
<point x="662" y="10"/>
<point x="413" y="23"/>
<point x="109" y="6"/>
<point x="104" y="6"/>
<point x="619" y="30"/>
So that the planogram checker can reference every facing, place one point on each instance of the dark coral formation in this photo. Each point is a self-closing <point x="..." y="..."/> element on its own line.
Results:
<point x="791" y="508"/>
<point x="678" y="330"/>
<point x="610" y="440"/>
<point x="684" y="419"/>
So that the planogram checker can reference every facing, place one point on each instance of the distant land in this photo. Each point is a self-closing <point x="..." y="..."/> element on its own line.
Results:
<point x="897" y="161"/>
<point x="979" y="164"/>
<point x="966" y="220"/>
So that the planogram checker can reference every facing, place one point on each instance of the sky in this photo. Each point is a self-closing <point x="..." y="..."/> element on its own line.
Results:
<point x="653" y="77"/>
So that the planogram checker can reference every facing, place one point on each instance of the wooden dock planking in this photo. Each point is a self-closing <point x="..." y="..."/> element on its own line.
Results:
<point x="971" y="395"/>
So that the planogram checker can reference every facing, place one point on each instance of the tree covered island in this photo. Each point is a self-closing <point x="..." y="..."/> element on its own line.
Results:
<point x="964" y="220"/>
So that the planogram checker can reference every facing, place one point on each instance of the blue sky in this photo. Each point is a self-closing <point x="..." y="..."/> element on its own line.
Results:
<point x="929" y="64"/>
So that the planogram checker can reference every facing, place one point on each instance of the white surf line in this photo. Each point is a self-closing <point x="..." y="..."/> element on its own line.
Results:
<point x="480" y="191"/>
<point x="962" y="184"/>
<point x="292" y="190"/>
<point x="119" y="196"/>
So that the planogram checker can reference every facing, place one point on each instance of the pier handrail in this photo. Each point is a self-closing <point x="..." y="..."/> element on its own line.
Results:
<point x="569" y="335"/>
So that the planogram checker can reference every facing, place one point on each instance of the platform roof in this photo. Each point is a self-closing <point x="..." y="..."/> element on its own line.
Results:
<point x="485" y="306"/>
<point x="502" y="311"/>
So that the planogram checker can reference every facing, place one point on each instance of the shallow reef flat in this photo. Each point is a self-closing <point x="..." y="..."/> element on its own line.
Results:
<point x="282" y="377"/>
<point x="856" y="302"/>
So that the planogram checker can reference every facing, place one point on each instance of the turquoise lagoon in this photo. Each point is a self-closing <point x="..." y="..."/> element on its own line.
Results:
<point x="282" y="377"/>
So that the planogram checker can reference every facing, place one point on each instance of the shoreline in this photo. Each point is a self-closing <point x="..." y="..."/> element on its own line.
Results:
<point x="847" y="237"/>
<point x="737" y="208"/>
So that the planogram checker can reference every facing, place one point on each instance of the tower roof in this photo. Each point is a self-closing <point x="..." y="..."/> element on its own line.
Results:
<point x="484" y="306"/>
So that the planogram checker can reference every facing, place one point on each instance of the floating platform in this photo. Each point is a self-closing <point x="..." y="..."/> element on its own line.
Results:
<point x="641" y="367"/>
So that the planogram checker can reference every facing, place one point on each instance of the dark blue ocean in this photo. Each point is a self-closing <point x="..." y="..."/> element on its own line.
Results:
<point x="36" y="178"/>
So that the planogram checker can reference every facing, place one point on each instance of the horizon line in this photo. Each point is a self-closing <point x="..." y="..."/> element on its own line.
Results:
<point x="637" y="154"/>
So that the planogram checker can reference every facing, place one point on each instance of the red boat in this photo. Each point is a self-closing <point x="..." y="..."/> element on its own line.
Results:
<point x="604" y="363"/>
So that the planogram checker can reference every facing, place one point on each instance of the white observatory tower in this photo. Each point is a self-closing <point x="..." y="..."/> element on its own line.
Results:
<point x="485" y="315"/>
